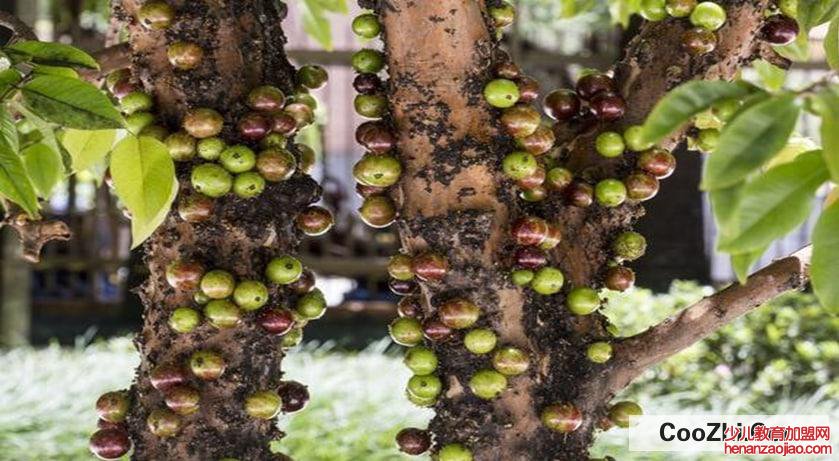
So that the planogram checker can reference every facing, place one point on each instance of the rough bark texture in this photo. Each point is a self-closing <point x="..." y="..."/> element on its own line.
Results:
<point x="454" y="199"/>
<point x="244" y="48"/>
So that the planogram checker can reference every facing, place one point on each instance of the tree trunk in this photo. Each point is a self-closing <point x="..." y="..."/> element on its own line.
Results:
<point x="243" y="45"/>
<point x="454" y="200"/>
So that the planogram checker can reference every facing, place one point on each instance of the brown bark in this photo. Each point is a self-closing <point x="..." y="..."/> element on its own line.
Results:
<point x="244" y="48"/>
<point x="453" y="199"/>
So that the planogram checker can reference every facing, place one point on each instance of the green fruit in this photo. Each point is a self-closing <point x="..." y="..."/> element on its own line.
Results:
<point x="559" y="178"/>
<point x="510" y="361"/>
<point x="680" y="8"/>
<point x="163" y="423"/>
<point x="610" y="144"/>
<point x="519" y="165"/>
<point x="207" y="365"/>
<point x="454" y="452"/>
<point x="292" y="338"/>
<point x="629" y="246"/>
<point x="184" y="319"/>
<point x="284" y="270"/>
<point x="377" y="170"/>
<point x="547" y="281"/>
<point x="370" y="105"/>
<point x="425" y="386"/>
<point x="726" y="109"/>
<point x="312" y="305"/>
<point x="136" y="101"/>
<point x="583" y="300"/>
<point x="620" y="413"/>
<point x="203" y="123"/>
<point x="366" y="25"/>
<point x="113" y="406"/>
<point x="211" y="148"/>
<point x="312" y="77"/>
<point x="522" y="277"/>
<point x="250" y="295"/>
<point x="406" y="331"/>
<point x="222" y="313"/>
<point x="487" y="384"/>
<point x="211" y="180"/>
<point x="708" y="140"/>
<point x="238" y="159"/>
<point x="185" y="55"/>
<point x="599" y="352"/>
<point x="634" y="141"/>
<point x="400" y="267"/>
<point x="200" y="298"/>
<point x="248" y="185"/>
<point x="708" y="15"/>
<point x="503" y="16"/>
<point x="156" y="15"/>
<point x="610" y="192"/>
<point x="420" y="401"/>
<point x="367" y="61"/>
<point x="263" y="405"/>
<point x="501" y="93"/>
<point x="139" y="122"/>
<point x="218" y="284"/>
<point x="157" y="132"/>
<point x="421" y="360"/>
<point x="181" y="146"/>
<point x="480" y="341"/>
<point x="653" y="10"/>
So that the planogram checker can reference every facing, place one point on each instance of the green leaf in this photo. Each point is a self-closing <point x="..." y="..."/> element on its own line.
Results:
<point x="315" y="23"/>
<point x="772" y="77"/>
<point x="87" y="148"/>
<point x="742" y="263"/>
<point x="824" y="268"/>
<point x="15" y="184"/>
<point x="70" y="103"/>
<point x="144" y="179"/>
<point x="334" y="6"/>
<point x="622" y="10"/>
<point x="775" y="203"/>
<point x="798" y="50"/>
<point x="826" y="104"/>
<point x="54" y="54"/>
<point x="750" y="140"/>
<point x="57" y="71"/>
<point x="44" y="166"/>
<point x="684" y="102"/>
<point x="831" y="44"/>
<point x="812" y="13"/>
<point x="8" y="79"/>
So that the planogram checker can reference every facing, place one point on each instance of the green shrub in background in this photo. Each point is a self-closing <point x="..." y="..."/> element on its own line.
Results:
<point x="786" y="349"/>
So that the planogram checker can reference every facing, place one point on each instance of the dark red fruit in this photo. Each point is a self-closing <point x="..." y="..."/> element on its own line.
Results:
<point x="266" y="99"/>
<point x="562" y="104"/>
<point x="579" y="194"/>
<point x="110" y="443"/>
<point x="620" y="278"/>
<point x="413" y="441"/>
<point x="195" y="208"/>
<point x="276" y="321"/>
<point x="507" y="69"/>
<point x="294" y="395"/>
<point x="529" y="230"/>
<point x="780" y="30"/>
<point x="165" y="376"/>
<point x="409" y="306"/>
<point x="593" y="84"/>
<point x="184" y="275"/>
<point x="657" y="162"/>
<point x="304" y="284"/>
<point x="254" y="126"/>
<point x="608" y="107"/>
<point x="375" y="137"/>
<point x="528" y="89"/>
<point x="282" y="123"/>
<point x="369" y="191"/>
<point x="530" y="258"/>
<point x="641" y="186"/>
<point x="402" y="287"/>
<point x="367" y="83"/>
<point x="430" y="266"/>
<point x="435" y="330"/>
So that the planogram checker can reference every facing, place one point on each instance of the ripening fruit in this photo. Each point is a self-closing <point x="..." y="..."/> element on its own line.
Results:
<point x="314" y="221"/>
<point x="294" y="396"/>
<point x="165" y="376"/>
<point x="519" y="165"/>
<point x="375" y="137"/>
<point x="610" y="192"/>
<point x="487" y="384"/>
<point x="619" y="278"/>
<point x="641" y="186"/>
<point x="680" y="8"/>
<point x="522" y="277"/>
<point x="533" y="181"/>
<point x="266" y="98"/>
<point x="211" y="180"/>
<point x="708" y="15"/>
<point x="185" y="55"/>
<point x="633" y="139"/>
<point x="163" y="423"/>
<point x="599" y="352"/>
<point x="593" y="84"/>
<point x="112" y="406"/>
<point x="409" y="306"/>
<point x="529" y="230"/>
<point x="284" y="270"/>
<point x="222" y="314"/>
<point x="274" y="141"/>
<point x="425" y="387"/>
<point x="377" y="170"/>
<point x="558" y="178"/>
<point x="248" y="185"/>
<point x="501" y="93"/>
<point x="562" y="104"/>
<point x="377" y="211"/>
<point x="699" y="41"/>
<point x="156" y="15"/>
<point x="184" y="275"/>
<point x="207" y="365"/>
<point x="184" y="319"/>
<point x="282" y="124"/>
<point x="536" y="194"/>
<point x="276" y="321"/>
<point x="183" y="400"/>
<point x="510" y="361"/>
<point x="400" y="267"/>
<point x="366" y="25"/>
<point x="211" y="148"/>
<point x="263" y="405"/>
<point x="583" y="301"/>
<point x="629" y="246"/>
<point x="506" y="69"/>
<point x="454" y="452"/>
<point x="370" y="105"/>
<point x="562" y="417"/>
<point x="580" y="194"/>
<point x="653" y="10"/>
<point x="276" y="164"/>
<point x="610" y="144"/>
<point x="368" y="61"/>
<point x="520" y="120"/>
<point x="413" y="441"/>
<point x="312" y="305"/>
<point x="218" y="284"/>
<point x="304" y="283"/>
<point x="110" y="444"/>
<point x="181" y="146"/>
<point x="255" y="126"/>
<point x="136" y="101"/>
<point x="429" y="266"/>
<point x="420" y="360"/>
<point x="250" y="295"/>
<point x="608" y="107"/>
<point x="541" y="141"/>
<point x="552" y="238"/>
<point x="620" y="413"/>
<point x="480" y="341"/>
<point x="203" y="123"/>
<point x="406" y="331"/>
<point x="312" y="76"/>
<point x="436" y="331"/>
<point x="547" y="281"/>
<point x="302" y="114"/>
<point x="459" y="313"/>
<point x="657" y="162"/>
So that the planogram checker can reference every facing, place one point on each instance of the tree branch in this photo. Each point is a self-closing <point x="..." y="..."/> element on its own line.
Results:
<point x="635" y="354"/>
<point x="34" y="234"/>
<point x="20" y="28"/>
